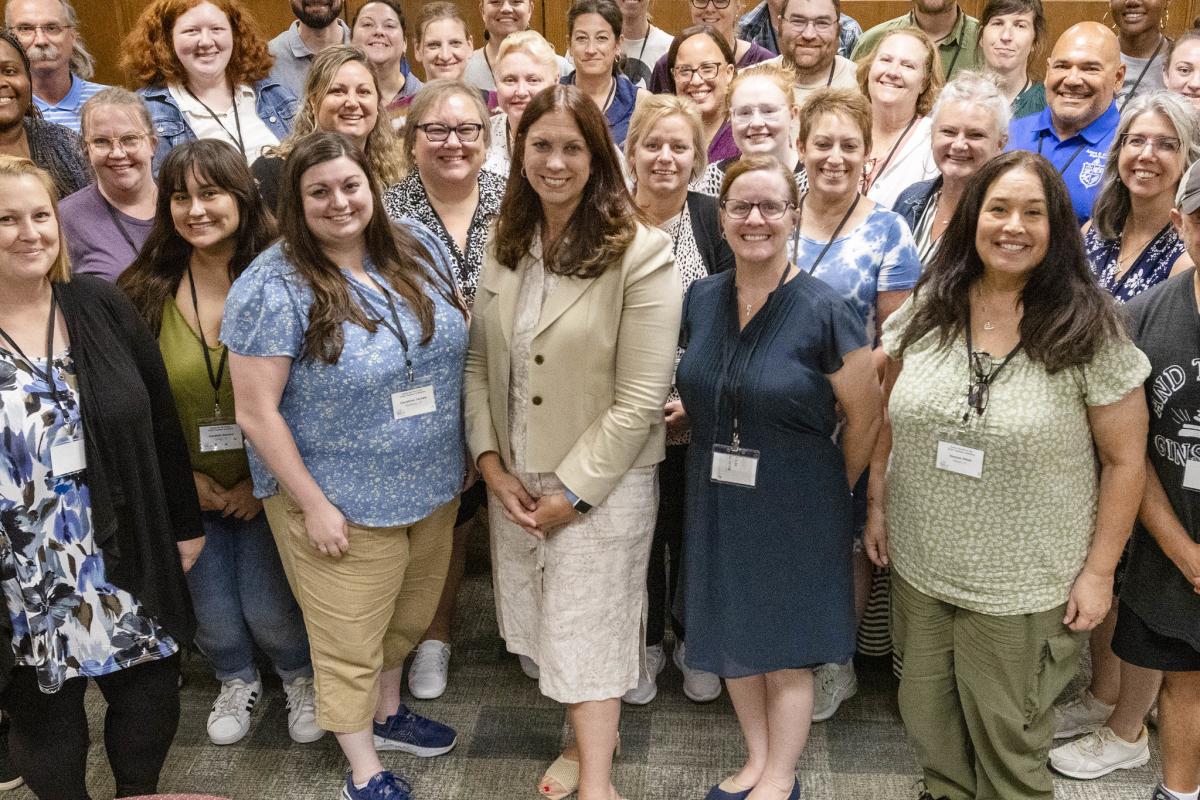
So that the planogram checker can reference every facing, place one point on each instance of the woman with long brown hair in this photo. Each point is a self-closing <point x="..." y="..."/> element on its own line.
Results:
<point x="209" y="224"/>
<point x="572" y="345"/>
<point x="346" y="347"/>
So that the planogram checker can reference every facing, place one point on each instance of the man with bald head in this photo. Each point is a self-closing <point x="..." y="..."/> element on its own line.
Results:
<point x="1083" y="75"/>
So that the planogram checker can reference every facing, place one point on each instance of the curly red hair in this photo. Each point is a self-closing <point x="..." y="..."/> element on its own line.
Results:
<point x="148" y="52"/>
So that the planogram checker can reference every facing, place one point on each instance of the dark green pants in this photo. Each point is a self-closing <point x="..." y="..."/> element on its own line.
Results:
<point x="977" y="694"/>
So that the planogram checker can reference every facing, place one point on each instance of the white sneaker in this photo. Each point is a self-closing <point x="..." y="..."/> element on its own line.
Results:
<point x="833" y="684"/>
<point x="229" y="719"/>
<point x="698" y="686"/>
<point x="647" y="688"/>
<point x="429" y="671"/>
<point x="302" y="711"/>
<point x="530" y="668"/>
<point x="1100" y="753"/>
<point x="1084" y="714"/>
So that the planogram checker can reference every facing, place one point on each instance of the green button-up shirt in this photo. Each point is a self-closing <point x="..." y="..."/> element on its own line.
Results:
<point x="959" y="50"/>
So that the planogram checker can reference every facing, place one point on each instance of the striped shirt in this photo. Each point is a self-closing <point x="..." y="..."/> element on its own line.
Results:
<point x="66" y="111"/>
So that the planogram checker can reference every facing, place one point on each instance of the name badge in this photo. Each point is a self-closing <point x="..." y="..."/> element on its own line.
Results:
<point x="735" y="466"/>
<point x="220" y="434"/>
<point x="1191" y="475"/>
<point x="960" y="459"/>
<point x="413" y="402"/>
<point x="68" y="456"/>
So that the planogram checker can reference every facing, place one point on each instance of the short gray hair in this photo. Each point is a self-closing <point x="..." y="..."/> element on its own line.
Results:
<point x="82" y="62"/>
<point x="1113" y="203"/>
<point x="977" y="89"/>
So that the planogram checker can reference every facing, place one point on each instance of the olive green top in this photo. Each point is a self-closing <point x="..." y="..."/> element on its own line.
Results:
<point x="186" y="371"/>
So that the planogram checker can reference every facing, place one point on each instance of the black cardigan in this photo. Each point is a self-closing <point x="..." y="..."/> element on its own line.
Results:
<point x="139" y="474"/>
<point x="714" y="250"/>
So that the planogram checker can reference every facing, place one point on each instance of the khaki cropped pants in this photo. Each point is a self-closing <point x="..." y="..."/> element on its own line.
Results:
<point x="365" y="611"/>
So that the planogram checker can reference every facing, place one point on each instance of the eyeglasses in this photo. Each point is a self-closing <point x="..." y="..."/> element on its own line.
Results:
<point x="820" y="24"/>
<point x="438" y="132"/>
<point x="1160" y="144"/>
<point x="982" y="373"/>
<point x="769" y="209"/>
<point x="708" y="70"/>
<point x="699" y="4"/>
<point x="103" y="145"/>
<point x="745" y="114"/>
<point x="52" y="30"/>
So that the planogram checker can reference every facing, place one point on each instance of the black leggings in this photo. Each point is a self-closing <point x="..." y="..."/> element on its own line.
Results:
<point x="666" y="549"/>
<point x="48" y="734"/>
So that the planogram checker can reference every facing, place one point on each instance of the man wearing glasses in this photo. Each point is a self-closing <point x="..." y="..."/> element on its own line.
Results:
<point x="762" y="26"/>
<point x="809" y="31"/>
<point x="59" y="63"/>
<point x="955" y="33"/>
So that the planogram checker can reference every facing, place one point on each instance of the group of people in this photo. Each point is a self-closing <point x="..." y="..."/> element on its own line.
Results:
<point x="739" y="331"/>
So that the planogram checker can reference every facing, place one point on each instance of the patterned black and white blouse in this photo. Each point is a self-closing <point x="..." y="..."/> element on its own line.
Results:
<point x="408" y="198"/>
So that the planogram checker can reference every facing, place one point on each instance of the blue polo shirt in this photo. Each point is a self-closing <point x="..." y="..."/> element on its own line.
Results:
<point x="66" y="111"/>
<point x="1085" y="171"/>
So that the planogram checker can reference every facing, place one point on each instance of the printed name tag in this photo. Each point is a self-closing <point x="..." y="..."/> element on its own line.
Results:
<point x="1191" y="476"/>
<point x="218" y="436"/>
<point x="413" y="402"/>
<point x="735" y="466"/>
<point x="960" y="459"/>
<point x="68" y="457"/>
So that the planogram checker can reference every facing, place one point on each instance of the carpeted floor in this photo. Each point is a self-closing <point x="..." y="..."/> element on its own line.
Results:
<point x="508" y="733"/>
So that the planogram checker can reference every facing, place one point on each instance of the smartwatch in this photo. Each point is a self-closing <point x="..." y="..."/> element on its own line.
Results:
<point x="577" y="503"/>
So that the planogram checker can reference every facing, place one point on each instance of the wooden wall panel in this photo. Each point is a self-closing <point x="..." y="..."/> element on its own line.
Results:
<point x="105" y="22"/>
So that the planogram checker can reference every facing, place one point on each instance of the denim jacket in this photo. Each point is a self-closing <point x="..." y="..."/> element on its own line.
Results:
<point x="912" y="201"/>
<point x="276" y="106"/>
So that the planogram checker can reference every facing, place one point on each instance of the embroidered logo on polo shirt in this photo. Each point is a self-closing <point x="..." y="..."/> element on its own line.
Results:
<point x="1091" y="172"/>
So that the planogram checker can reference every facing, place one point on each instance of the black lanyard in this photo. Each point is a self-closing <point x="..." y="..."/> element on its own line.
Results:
<point x="732" y="389"/>
<point x="1133" y="89"/>
<point x="394" y="326"/>
<point x="912" y="19"/>
<point x="48" y="376"/>
<point x="678" y="234"/>
<point x="986" y="380"/>
<point x="876" y="174"/>
<point x="1063" y="169"/>
<point x="237" y="119"/>
<point x="120" y="226"/>
<point x="214" y="378"/>
<point x="832" y="239"/>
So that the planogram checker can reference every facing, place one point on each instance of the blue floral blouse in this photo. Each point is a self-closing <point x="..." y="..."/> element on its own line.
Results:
<point x="378" y="470"/>
<point x="1152" y="266"/>
<point x="68" y="620"/>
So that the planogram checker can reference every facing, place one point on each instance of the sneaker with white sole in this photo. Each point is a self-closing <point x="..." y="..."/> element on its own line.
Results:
<point x="9" y="777"/>
<point x="530" y="668"/>
<point x="430" y="670"/>
<point x="1084" y="714"/>
<point x="302" y="710"/>
<point x="229" y="719"/>
<point x="382" y="786"/>
<point x="647" y="688"/>
<point x="412" y="733"/>
<point x="698" y="686"/>
<point x="1100" y="753"/>
<point x="833" y="684"/>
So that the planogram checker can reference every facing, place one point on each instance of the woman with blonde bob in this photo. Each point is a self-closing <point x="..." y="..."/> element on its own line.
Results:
<point x="526" y="65"/>
<point x="341" y="94"/>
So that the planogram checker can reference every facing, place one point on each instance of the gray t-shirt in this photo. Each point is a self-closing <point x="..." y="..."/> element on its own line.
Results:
<point x="293" y="58"/>
<point x="1150" y="71"/>
<point x="1166" y="326"/>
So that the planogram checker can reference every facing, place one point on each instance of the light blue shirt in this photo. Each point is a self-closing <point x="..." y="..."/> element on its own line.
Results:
<point x="378" y="470"/>
<point x="66" y="111"/>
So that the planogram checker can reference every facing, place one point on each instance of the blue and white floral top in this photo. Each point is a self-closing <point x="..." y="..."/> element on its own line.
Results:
<point x="877" y="256"/>
<point x="68" y="620"/>
<point x="378" y="470"/>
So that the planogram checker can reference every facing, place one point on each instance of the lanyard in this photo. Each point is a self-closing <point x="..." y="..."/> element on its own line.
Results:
<point x="732" y="389"/>
<point x="1063" y="170"/>
<point x="986" y="380"/>
<point x="912" y="20"/>
<point x="48" y="376"/>
<point x="678" y="234"/>
<point x="877" y="173"/>
<point x="612" y="90"/>
<point x="394" y="326"/>
<point x="832" y="239"/>
<point x="237" y="119"/>
<point x="1133" y="89"/>
<point x="214" y="378"/>
<point x="118" y="224"/>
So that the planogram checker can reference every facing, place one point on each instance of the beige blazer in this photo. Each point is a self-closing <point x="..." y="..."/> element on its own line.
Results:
<point x="603" y="358"/>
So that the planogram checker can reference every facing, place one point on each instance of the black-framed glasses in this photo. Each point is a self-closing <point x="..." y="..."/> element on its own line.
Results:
<point x="769" y="209"/>
<point x="714" y="3"/>
<point x="708" y="70"/>
<point x="439" y="132"/>
<point x="1160" y="144"/>
<point x="983" y="370"/>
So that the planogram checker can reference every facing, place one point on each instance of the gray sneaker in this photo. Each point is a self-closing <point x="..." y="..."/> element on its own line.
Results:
<point x="647" y="688"/>
<point x="833" y="684"/>
<point x="698" y="686"/>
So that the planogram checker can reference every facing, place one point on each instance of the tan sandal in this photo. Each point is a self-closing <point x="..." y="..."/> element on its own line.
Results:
<point x="565" y="773"/>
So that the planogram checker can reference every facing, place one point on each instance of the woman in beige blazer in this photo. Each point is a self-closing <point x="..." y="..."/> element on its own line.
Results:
<point x="570" y="360"/>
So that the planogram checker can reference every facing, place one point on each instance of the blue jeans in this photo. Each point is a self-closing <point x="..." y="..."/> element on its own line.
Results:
<point x="242" y="599"/>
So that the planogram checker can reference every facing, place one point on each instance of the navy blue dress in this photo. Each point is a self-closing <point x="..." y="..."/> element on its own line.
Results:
<point x="766" y="573"/>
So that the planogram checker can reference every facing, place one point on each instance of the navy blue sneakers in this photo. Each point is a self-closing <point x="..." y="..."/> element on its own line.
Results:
<point x="383" y="786"/>
<point x="414" y="734"/>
